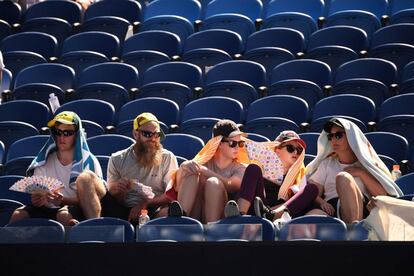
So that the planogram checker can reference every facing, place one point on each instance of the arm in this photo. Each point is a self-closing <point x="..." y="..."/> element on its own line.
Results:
<point x="320" y="202"/>
<point x="373" y="186"/>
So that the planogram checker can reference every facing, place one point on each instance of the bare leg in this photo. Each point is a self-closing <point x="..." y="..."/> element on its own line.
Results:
<point x="19" y="214"/>
<point x="90" y="191"/>
<point x="215" y="198"/>
<point x="188" y="188"/>
<point x="63" y="216"/>
<point x="316" y="212"/>
<point x="351" y="206"/>
<point x="244" y="205"/>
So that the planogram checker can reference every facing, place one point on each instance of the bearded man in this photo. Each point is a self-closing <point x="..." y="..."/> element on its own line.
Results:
<point x="137" y="177"/>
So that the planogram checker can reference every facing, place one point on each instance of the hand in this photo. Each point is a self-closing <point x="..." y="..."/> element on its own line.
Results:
<point x="135" y="213"/>
<point x="354" y="171"/>
<point x="55" y="198"/>
<point x="191" y="167"/>
<point x="121" y="186"/>
<point x="327" y="208"/>
<point x="39" y="199"/>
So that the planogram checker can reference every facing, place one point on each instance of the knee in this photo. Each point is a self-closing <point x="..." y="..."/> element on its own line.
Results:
<point x="85" y="180"/>
<point x="344" y="181"/>
<point x="253" y="170"/>
<point x="19" y="214"/>
<point x="312" y="190"/>
<point x="213" y="183"/>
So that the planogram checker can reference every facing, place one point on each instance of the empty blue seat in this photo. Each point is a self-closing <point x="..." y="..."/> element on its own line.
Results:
<point x="199" y="127"/>
<point x="370" y="77"/>
<point x="67" y="10"/>
<point x="95" y="41"/>
<point x="188" y="9"/>
<point x="128" y="10"/>
<point x="389" y="144"/>
<point x="40" y="43"/>
<point x="57" y="27"/>
<point x="38" y="81"/>
<point x="406" y="183"/>
<point x="10" y="12"/>
<point x="299" y="15"/>
<point x="172" y="229"/>
<point x="184" y="145"/>
<point x="24" y="110"/>
<point x="5" y="29"/>
<point x="110" y="24"/>
<point x="407" y="79"/>
<point x="314" y="227"/>
<point x="303" y="78"/>
<point x="6" y="182"/>
<point x="11" y="131"/>
<point x="2" y="152"/>
<point x="104" y="229"/>
<point x="311" y="140"/>
<point x="33" y="230"/>
<point x="21" y="154"/>
<point x="107" y="144"/>
<point x="80" y="60"/>
<point x="401" y="11"/>
<point x="19" y="60"/>
<point x="6" y="81"/>
<point x="394" y="43"/>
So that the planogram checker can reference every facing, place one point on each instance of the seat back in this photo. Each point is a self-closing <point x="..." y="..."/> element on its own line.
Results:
<point x="40" y="43"/>
<point x="129" y="10"/>
<point x="188" y="9"/>
<point x="184" y="145"/>
<point x="6" y="182"/>
<point x="389" y="144"/>
<point x="33" y="230"/>
<point x="11" y="131"/>
<point x="23" y="111"/>
<point x="69" y="11"/>
<point x="108" y="143"/>
<point x="7" y="208"/>
<point x="406" y="183"/>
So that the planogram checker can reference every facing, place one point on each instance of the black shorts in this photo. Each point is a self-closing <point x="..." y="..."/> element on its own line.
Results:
<point x="272" y="192"/>
<point x="334" y="203"/>
<point x="111" y="207"/>
<point x="41" y="212"/>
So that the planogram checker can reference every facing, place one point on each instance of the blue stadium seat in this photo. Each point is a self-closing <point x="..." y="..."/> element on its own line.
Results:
<point x="407" y="79"/>
<point x="95" y="41"/>
<point x="11" y="131"/>
<point x="401" y="11"/>
<point x="355" y="106"/>
<point x="166" y="111"/>
<point x="128" y="10"/>
<point x="102" y="229"/>
<point x="308" y="158"/>
<point x="370" y="77"/>
<point x="257" y="137"/>
<point x="388" y="161"/>
<point x="33" y="230"/>
<point x="267" y="115"/>
<point x="6" y="182"/>
<point x="394" y="43"/>
<point x="57" y="27"/>
<point x="357" y="232"/>
<point x="21" y="154"/>
<point x="107" y="144"/>
<point x="110" y="24"/>
<point x="273" y="46"/>
<point x="188" y="9"/>
<point x="80" y="60"/>
<point x="38" y="81"/>
<point x="397" y="116"/>
<point x="5" y="29"/>
<point x="406" y="183"/>
<point x="323" y="228"/>
<point x="299" y="15"/>
<point x="10" y="12"/>
<point x="67" y="10"/>
<point x="389" y="144"/>
<point x="2" y="153"/>
<point x="24" y="110"/>
<point x="98" y="111"/>
<point x="311" y="140"/>
<point x="103" y="161"/>
<point x="268" y="232"/>
<point x="40" y="43"/>
<point x="172" y="229"/>
<point x="199" y="127"/>
<point x="236" y="79"/>
<point x="241" y="18"/>
<point x="336" y="45"/>
<point x="6" y="81"/>
<point x="362" y="14"/>
<point x="16" y="61"/>
<point x="172" y="23"/>
<point x="7" y="207"/>
<point x="303" y="78"/>
<point x="184" y="145"/>
<point x="210" y="47"/>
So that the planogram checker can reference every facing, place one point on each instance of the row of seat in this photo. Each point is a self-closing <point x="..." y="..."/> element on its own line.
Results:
<point x="174" y="229"/>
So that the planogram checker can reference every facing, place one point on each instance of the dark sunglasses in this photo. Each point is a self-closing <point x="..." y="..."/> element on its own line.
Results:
<point x="233" y="144"/>
<point x="338" y="135"/>
<point x="149" y="134"/>
<point x="66" y="133"/>
<point x="292" y="149"/>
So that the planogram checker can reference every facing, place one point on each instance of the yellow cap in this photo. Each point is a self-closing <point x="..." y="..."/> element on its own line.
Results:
<point x="144" y="118"/>
<point x="65" y="117"/>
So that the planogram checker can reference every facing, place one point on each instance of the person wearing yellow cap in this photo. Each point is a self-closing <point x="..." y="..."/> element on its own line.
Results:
<point x="64" y="157"/>
<point x="205" y="183"/>
<point x="137" y="177"/>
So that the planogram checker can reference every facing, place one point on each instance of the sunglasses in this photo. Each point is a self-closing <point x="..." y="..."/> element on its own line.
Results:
<point x="233" y="144"/>
<point x="338" y="135"/>
<point x="292" y="149"/>
<point x="149" y="134"/>
<point x="66" y="133"/>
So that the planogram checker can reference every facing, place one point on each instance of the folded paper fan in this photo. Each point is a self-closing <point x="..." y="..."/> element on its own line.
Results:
<point x="267" y="159"/>
<point x="36" y="184"/>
